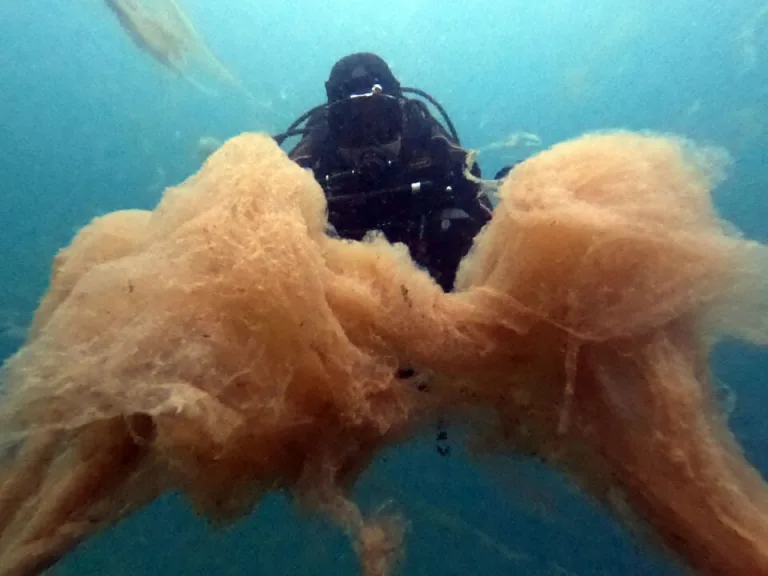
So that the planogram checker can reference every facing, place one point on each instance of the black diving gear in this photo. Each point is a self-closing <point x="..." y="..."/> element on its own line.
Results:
<point x="364" y="120"/>
<point x="385" y="163"/>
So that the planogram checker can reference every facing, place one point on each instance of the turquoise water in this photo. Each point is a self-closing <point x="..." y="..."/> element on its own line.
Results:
<point x="89" y="125"/>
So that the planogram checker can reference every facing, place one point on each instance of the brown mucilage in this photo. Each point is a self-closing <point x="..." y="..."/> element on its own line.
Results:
<point x="162" y="30"/>
<point x="223" y="346"/>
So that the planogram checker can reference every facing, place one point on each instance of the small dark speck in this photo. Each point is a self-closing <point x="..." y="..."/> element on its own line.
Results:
<point x="206" y="335"/>
<point x="130" y="287"/>
<point x="406" y="297"/>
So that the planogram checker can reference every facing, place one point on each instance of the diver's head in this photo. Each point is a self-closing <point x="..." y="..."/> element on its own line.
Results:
<point x="357" y="73"/>
<point x="365" y="114"/>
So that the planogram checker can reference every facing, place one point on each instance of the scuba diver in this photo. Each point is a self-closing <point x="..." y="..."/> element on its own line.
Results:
<point x="385" y="163"/>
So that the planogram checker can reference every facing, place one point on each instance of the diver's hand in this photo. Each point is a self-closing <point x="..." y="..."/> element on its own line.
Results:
<point x="501" y="174"/>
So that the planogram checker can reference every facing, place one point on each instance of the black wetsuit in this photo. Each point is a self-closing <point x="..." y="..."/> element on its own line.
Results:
<point x="422" y="199"/>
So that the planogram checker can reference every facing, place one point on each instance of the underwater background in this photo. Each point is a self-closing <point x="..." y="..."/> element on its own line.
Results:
<point x="89" y="124"/>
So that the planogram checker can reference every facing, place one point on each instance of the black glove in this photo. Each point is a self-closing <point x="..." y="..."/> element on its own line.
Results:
<point x="504" y="171"/>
